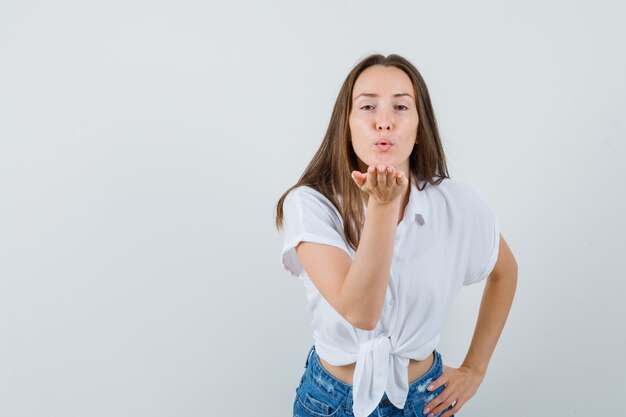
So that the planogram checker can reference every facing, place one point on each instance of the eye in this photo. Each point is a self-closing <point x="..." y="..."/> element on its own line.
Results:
<point x="367" y="105"/>
<point x="402" y="105"/>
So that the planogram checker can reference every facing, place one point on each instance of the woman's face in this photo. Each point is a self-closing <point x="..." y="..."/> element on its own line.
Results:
<point x="383" y="120"/>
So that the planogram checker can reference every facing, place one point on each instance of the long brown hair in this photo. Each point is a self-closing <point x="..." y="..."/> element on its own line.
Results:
<point x="329" y="172"/>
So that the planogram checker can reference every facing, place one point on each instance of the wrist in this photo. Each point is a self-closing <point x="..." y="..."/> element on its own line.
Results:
<point x="390" y="205"/>
<point x="480" y="371"/>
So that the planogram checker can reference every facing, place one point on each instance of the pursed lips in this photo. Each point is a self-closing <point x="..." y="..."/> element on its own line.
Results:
<point x="384" y="141"/>
<point x="383" y="144"/>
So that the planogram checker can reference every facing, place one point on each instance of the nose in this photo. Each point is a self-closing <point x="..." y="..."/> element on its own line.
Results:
<point x="383" y="122"/>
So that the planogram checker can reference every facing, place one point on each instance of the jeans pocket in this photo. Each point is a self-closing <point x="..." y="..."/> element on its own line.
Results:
<point x="311" y="401"/>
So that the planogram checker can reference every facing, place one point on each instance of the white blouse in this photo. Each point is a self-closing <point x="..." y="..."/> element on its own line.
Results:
<point x="447" y="238"/>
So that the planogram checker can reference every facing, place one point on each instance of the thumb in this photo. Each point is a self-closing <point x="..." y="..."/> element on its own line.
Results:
<point x="358" y="178"/>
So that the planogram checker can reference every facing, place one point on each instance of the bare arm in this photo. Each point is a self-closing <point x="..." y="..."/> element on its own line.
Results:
<point x="462" y="383"/>
<point x="356" y="288"/>
<point x="494" y="309"/>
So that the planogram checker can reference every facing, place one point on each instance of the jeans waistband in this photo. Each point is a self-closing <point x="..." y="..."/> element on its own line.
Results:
<point x="328" y="382"/>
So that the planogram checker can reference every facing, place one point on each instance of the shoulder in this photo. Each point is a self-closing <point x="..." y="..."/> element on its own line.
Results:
<point x="306" y="191"/>
<point x="450" y="184"/>
<point x="452" y="189"/>
<point x="308" y="198"/>
<point x="458" y="196"/>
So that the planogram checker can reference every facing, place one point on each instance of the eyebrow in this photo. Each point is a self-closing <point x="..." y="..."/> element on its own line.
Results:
<point x="376" y="95"/>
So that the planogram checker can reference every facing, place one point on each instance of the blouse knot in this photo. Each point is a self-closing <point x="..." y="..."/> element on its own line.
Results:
<point x="378" y="370"/>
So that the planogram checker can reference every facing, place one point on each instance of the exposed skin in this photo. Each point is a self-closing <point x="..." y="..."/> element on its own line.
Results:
<point x="383" y="115"/>
<point x="463" y="382"/>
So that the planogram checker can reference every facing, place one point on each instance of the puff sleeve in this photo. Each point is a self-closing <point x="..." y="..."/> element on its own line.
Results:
<point x="484" y="239"/>
<point x="308" y="216"/>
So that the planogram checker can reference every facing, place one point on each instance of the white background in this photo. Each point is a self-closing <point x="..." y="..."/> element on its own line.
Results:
<point x="144" y="145"/>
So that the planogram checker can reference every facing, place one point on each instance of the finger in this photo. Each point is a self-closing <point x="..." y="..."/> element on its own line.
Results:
<point x="371" y="177"/>
<point x="390" y="176"/>
<point x="429" y="409"/>
<point x="455" y="409"/>
<point x="374" y="175"/>
<point x="399" y="177"/>
<point x="440" y="403"/>
<point x="359" y="178"/>
<point x="442" y="380"/>
<point x="382" y="174"/>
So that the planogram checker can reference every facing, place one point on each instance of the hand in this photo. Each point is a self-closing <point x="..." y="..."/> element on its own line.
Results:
<point x="382" y="183"/>
<point x="461" y="385"/>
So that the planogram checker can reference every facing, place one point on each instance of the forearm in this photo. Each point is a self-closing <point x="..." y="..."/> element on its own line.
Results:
<point x="494" y="310"/>
<point x="364" y="288"/>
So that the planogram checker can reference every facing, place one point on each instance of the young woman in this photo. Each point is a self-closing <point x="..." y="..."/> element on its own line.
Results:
<point x="383" y="240"/>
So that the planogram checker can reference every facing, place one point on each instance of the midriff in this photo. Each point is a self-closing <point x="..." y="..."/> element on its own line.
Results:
<point x="345" y="372"/>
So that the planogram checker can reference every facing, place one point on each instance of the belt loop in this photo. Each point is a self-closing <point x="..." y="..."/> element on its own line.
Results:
<point x="348" y="402"/>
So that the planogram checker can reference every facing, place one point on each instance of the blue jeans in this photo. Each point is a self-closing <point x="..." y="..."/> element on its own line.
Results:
<point x="322" y="395"/>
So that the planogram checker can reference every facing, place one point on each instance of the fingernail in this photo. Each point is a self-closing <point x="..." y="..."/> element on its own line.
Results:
<point x="426" y="410"/>
<point x="431" y="415"/>
<point x="430" y="388"/>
